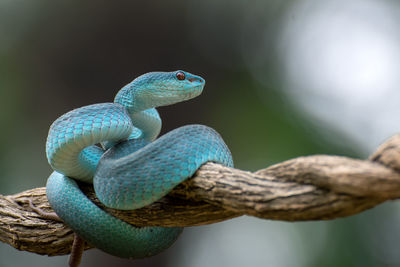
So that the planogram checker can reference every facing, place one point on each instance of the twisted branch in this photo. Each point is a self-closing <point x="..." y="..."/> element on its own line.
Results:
<point x="306" y="188"/>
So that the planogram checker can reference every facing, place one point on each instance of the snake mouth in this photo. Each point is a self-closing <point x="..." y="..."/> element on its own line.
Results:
<point x="177" y="96"/>
<point x="190" y="90"/>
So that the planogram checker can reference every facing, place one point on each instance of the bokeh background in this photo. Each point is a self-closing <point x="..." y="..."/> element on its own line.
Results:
<point x="284" y="79"/>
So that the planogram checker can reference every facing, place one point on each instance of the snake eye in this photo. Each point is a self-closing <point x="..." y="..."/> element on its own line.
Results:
<point x="180" y="75"/>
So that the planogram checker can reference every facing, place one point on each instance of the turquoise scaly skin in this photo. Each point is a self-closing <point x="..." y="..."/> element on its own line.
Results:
<point x="131" y="170"/>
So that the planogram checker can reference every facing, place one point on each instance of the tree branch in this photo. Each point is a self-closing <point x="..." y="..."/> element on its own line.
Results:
<point x="306" y="188"/>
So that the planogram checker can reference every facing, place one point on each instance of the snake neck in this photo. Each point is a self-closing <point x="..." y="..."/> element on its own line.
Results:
<point x="142" y="114"/>
<point x="127" y="97"/>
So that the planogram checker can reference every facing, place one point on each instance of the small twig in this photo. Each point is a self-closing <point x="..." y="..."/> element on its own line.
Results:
<point x="77" y="249"/>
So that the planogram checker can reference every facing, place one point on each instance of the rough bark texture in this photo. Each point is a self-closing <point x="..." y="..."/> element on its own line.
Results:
<point x="307" y="188"/>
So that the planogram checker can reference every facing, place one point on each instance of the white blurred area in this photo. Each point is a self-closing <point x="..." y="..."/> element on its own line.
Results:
<point x="341" y="65"/>
<point x="247" y="241"/>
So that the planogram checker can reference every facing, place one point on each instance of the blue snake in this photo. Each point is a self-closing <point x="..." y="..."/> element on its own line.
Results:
<point x="114" y="146"/>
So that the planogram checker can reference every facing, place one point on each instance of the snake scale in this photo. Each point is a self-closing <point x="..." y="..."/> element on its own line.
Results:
<point x="114" y="146"/>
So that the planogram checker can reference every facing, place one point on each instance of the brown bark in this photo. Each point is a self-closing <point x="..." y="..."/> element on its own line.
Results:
<point x="317" y="187"/>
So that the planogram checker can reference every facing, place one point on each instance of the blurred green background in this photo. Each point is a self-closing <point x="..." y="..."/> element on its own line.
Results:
<point x="283" y="79"/>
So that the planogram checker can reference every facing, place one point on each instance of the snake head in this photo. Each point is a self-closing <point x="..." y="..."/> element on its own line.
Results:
<point x="155" y="89"/>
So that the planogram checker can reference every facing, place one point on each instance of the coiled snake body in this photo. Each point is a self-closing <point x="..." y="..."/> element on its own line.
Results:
<point x="131" y="170"/>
